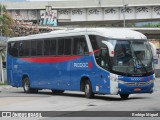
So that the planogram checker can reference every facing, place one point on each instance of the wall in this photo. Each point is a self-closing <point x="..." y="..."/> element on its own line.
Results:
<point x="110" y="13"/>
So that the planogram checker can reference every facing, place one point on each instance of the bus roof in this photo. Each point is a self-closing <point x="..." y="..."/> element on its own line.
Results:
<point x="115" y="33"/>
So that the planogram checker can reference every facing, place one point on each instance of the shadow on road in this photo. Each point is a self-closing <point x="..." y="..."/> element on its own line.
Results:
<point x="80" y="95"/>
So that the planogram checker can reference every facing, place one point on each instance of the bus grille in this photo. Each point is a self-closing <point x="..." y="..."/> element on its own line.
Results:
<point x="136" y="83"/>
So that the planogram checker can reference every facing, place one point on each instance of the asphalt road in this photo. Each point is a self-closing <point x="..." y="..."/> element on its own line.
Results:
<point x="14" y="99"/>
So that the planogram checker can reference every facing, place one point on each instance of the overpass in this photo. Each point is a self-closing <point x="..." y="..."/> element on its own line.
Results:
<point x="87" y="12"/>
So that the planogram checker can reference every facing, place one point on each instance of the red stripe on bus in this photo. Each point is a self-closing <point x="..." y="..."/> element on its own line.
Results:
<point x="50" y="59"/>
<point x="94" y="51"/>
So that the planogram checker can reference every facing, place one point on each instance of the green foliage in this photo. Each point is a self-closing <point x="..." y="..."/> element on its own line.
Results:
<point x="5" y="83"/>
<point x="152" y="25"/>
<point x="6" y="22"/>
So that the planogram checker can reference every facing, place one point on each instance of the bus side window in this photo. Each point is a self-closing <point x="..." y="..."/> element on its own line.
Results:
<point x="13" y="49"/>
<point x="80" y="46"/>
<point x="47" y="47"/>
<point x="68" y="44"/>
<point x="100" y="51"/>
<point x="39" y="48"/>
<point x="21" y="50"/>
<point x="50" y="46"/>
<point x="60" y="46"/>
<point x="104" y="58"/>
<point x="33" y="47"/>
<point x="53" y="47"/>
<point x="95" y="47"/>
<point x="24" y="47"/>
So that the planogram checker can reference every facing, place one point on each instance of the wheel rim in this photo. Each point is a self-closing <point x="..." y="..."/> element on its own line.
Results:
<point x="87" y="89"/>
<point x="26" y="86"/>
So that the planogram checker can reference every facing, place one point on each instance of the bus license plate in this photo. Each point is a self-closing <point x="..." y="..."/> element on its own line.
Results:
<point x="137" y="89"/>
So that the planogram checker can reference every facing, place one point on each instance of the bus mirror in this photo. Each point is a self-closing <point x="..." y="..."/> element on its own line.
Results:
<point x="110" y="48"/>
<point x="153" y="48"/>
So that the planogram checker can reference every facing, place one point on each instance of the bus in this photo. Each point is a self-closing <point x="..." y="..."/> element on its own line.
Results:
<point x="92" y="60"/>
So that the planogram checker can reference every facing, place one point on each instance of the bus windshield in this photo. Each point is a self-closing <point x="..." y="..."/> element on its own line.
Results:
<point x="131" y="57"/>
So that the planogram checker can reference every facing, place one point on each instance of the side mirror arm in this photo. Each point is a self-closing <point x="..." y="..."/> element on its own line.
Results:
<point x="110" y="48"/>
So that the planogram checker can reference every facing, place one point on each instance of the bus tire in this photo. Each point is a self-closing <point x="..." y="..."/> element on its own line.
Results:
<point x="57" y="91"/>
<point x="26" y="86"/>
<point x="88" y="90"/>
<point x="124" y="96"/>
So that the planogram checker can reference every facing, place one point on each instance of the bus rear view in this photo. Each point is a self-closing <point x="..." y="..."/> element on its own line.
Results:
<point x="92" y="60"/>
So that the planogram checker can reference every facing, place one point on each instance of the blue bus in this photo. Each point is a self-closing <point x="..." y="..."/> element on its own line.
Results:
<point x="92" y="60"/>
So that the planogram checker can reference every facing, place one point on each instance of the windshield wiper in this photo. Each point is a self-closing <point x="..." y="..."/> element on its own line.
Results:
<point x="140" y="62"/>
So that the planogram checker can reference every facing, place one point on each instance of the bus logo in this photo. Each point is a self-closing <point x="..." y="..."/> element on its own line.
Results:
<point x="135" y="79"/>
<point x="83" y="65"/>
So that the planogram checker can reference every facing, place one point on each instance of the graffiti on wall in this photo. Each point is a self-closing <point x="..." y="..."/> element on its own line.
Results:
<point x="110" y="11"/>
<point x="48" y="17"/>
<point x="77" y="11"/>
<point x="126" y="10"/>
<point x="142" y="9"/>
<point x="157" y="10"/>
<point x="94" y="11"/>
<point x="78" y="14"/>
<point x="64" y="11"/>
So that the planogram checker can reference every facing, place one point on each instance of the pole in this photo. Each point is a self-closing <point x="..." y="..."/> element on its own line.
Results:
<point x="124" y="21"/>
<point x="1" y="67"/>
<point x="1" y="61"/>
<point x="2" y="17"/>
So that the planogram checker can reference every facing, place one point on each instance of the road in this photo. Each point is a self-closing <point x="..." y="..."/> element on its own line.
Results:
<point x="14" y="99"/>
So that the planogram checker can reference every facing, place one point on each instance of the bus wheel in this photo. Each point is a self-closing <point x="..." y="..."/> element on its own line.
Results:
<point x="124" y="96"/>
<point x="57" y="91"/>
<point x="26" y="86"/>
<point x="88" y="90"/>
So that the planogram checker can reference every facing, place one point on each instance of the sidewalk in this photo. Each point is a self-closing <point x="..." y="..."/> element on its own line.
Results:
<point x="4" y="87"/>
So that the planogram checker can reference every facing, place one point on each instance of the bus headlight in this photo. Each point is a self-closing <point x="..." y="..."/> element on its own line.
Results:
<point x="121" y="82"/>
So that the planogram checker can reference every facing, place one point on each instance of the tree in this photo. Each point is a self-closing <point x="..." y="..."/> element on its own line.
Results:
<point x="6" y="22"/>
<point x="151" y="24"/>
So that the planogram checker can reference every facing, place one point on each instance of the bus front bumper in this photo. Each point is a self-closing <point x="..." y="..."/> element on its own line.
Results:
<point x="130" y="89"/>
